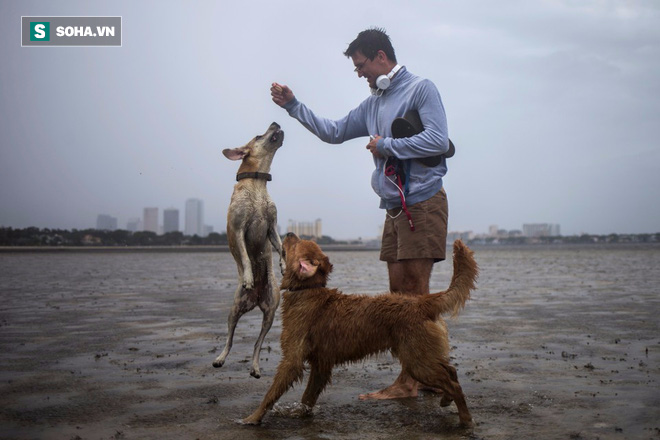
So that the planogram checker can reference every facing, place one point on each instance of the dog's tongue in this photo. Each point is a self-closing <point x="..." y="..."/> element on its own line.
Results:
<point x="305" y="267"/>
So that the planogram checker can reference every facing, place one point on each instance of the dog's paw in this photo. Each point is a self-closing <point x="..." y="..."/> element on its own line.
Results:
<point x="248" y="284"/>
<point x="294" y="410"/>
<point x="466" y="424"/>
<point x="246" y="278"/>
<point x="220" y="360"/>
<point x="255" y="373"/>
<point x="248" y="421"/>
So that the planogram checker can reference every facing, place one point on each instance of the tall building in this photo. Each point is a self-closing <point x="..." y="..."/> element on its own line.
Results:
<point x="171" y="220"/>
<point x="194" y="217"/>
<point x="308" y="229"/>
<point x="150" y="219"/>
<point x="106" y="222"/>
<point x="541" y="230"/>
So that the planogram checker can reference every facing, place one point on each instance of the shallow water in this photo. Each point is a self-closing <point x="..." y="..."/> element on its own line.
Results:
<point x="558" y="342"/>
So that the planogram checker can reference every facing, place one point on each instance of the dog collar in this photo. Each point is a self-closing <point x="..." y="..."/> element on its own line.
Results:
<point x="265" y="176"/>
<point x="301" y="288"/>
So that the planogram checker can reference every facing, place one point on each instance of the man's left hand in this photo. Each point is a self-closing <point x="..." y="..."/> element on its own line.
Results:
<point x="373" y="144"/>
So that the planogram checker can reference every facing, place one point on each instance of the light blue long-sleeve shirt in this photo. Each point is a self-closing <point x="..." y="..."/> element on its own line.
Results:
<point x="374" y="116"/>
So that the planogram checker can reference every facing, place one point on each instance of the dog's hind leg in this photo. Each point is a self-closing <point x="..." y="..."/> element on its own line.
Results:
<point x="459" y="399"/>
<point x="239" y="308"/>
<point x="438" y="375"/>
<point x="446" y="400"/>
<point x="268" y="302"/>
<point x="432" y="367"/>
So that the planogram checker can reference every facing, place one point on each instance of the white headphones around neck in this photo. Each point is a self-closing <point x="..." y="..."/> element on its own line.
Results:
<point x="383" y="81"/>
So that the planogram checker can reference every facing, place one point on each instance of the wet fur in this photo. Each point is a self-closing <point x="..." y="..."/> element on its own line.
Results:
<point x="325" y="328"/>
<point x="252" y="233"/>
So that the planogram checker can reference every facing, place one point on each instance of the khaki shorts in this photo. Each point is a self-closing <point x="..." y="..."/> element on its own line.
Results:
<point x="428" y="240"/>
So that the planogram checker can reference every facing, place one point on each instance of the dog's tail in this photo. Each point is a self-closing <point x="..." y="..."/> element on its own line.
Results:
<point x="462" y="282"/>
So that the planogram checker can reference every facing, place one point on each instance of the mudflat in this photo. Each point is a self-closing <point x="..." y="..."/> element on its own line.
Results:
<point x="558" y="343"/>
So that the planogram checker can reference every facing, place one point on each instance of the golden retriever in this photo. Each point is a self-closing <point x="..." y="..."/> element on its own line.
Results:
<point x="325" y="327"/>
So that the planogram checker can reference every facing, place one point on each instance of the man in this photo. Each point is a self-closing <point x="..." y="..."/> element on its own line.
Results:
<point x="415" y="231"/>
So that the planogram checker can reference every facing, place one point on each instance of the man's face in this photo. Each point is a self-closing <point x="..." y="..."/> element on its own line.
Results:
<point x="366" y="68"/>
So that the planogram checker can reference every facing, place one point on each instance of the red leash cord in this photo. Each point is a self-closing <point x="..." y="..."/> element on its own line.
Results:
<point x="391" y="171"/>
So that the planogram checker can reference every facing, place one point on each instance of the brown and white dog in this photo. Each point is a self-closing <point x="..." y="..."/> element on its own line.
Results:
<point x="324" y="327"/>
<point x="252" y="232"/>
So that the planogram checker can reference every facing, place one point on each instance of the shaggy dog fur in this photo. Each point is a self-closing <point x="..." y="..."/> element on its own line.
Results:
<point x="324" y="327"/>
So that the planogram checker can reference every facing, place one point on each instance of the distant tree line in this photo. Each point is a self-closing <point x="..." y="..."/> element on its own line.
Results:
<point x="94" y="237"/>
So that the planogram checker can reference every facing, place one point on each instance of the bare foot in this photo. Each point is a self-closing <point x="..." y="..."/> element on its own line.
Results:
<point x="398" y="390"/>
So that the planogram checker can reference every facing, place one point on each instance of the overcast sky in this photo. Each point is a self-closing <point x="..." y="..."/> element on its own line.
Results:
<point x="553" y="106"/>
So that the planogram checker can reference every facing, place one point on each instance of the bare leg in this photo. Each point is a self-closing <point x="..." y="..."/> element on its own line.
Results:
<point x="410" y="277"/>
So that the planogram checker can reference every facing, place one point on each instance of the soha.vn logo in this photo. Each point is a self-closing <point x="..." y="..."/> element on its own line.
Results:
<point x="40" y="31"/>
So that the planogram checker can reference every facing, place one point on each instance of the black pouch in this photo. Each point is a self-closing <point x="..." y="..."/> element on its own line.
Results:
<point x="410" y="125"/>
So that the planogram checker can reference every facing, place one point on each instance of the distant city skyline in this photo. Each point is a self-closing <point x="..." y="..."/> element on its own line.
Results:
<point x="134" y="224"/>
<point x="530" y="230"/>
<point x="194" y="212"/>
<point x="151" y="220"/>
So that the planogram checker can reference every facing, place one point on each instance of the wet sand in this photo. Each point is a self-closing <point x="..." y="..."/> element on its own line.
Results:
<point x="558" y="343"/>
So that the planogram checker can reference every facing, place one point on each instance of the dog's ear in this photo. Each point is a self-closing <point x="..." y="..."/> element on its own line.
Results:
<point x="325" y="265"/>
<point x="236" y="153"/>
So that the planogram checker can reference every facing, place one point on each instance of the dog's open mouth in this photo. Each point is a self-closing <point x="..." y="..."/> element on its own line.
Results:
<point x="276" y="136"/>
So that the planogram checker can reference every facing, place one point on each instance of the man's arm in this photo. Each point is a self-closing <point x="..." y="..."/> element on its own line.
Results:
<point x="433" y="140"/>
<point x="334" y="132"/>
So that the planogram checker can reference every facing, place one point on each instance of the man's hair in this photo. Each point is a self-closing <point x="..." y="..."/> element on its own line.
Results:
<point x="369" y="42"/>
